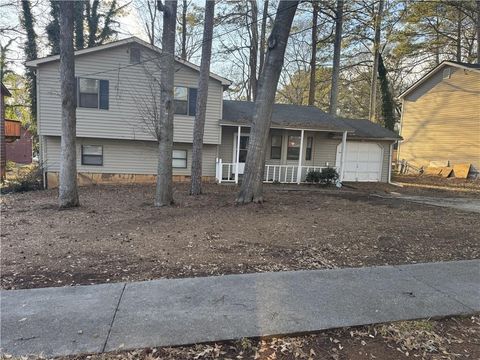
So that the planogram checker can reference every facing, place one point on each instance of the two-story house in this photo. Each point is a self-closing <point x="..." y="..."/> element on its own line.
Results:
<point x="116" y="97"/>
<point x="440" y="121"/>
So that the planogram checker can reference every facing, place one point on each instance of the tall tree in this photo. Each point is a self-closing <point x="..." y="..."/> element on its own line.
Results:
<point x="253" y="57"/>
<point x="388" y="103"/>
<point x="313" y="58"/>
<point x="101" y="20"/>
<point x="147" y="11"/>
<point x="337" y="48"/>
<point x="376" y="54"/>
<point x="184" y="30"/>
<point x="53" y="28"/>
<point x="68" y="194"/>
<point x="164" y="195"/>
<point x="27" y="23"/>
<point x="79" y="25"/>
<point x="263" y="31"/>
<point x="201" y="106"/>
<point x="252" y="184"/>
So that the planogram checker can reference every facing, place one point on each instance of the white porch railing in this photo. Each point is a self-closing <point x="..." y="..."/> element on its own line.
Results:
<point x="284" y="174"/>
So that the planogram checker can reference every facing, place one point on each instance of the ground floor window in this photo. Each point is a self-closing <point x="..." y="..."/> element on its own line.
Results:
<point x="92" y="155"/>
<point x="293" y="149"/>
<point x="276" y="149"/>
<point x="179" y="159"/>
<point x="308" y="150"/>
<point x="243" y="148"/>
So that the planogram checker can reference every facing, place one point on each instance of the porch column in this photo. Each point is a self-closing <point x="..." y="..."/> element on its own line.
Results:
<point x="300" y="156"/>
<point x="344" y="154"/>
<point x="239" y="131"/>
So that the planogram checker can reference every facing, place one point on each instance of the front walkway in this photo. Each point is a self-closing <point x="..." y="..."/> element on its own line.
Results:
<point x="97" y="318"/>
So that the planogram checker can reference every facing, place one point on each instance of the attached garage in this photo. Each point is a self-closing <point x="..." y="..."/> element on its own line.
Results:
<point x="363" y="161"/>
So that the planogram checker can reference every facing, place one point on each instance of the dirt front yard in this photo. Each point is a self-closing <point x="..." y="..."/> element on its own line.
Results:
<point x="117" y="235"/>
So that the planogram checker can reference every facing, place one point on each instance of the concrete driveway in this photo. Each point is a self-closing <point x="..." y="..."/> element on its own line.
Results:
<point x="465" y="204"/>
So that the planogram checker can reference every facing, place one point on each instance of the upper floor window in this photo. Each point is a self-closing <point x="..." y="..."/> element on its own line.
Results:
<point x="135" y="55"/>
<point x="293" y="149"/>
<point x="276" y="149"/>
<point x="92" y="93"/>
<point x="185" y="100"/>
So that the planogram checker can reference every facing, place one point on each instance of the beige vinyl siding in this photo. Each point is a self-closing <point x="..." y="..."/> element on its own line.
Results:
<point x="127" y="156"/>
<point x="441" y="120"/>
<point x="128" y="91"/>
<point x="324" y="148"/>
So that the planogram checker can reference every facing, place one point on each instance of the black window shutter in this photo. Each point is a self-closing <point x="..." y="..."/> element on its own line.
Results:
<point x="103" y="94"/>
<point x="192" y="101"/>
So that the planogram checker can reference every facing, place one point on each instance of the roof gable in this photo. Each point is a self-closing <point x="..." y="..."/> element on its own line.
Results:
<point x="114" y="44"/>
<point x="433" y="72"/>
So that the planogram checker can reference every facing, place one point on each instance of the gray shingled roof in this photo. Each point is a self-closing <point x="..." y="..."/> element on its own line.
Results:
<point x="285" y="115"/>
<point x="365" y="129"/>
<point x="305" y="117"/>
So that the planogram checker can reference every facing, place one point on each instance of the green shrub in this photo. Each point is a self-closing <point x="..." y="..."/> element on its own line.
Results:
<point x="325" y="177"/>
<point x="313" y="176"/>
<point x="328" y="176"/>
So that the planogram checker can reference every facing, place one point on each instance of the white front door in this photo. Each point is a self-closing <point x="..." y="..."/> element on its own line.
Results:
<point x="363" y="161"/>
<point x="243" y="152"/>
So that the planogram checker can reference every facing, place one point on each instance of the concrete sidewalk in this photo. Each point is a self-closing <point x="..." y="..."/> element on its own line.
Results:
<point x="97" y="318"/>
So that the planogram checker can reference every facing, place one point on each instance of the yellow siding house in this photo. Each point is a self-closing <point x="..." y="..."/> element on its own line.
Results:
<point x="441" y="117"/>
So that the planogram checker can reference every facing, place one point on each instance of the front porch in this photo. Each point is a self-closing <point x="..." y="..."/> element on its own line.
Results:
<point x="291" y="154"/>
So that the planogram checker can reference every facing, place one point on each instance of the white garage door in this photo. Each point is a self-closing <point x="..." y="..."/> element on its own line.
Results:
<point x="363" y="161"/>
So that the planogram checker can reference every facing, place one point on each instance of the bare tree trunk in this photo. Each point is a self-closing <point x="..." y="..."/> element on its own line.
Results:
<point x="163" y="195"/>
<point x="253" y="48"/>
<point x="68" y="194"/>
<point x="201" y="106"/>
<point x="337" y="48"/>
<point x="152" y="13"/>
<point x="184" y="30"/>
<point x="478" y="31"/>
<point x="313" y="58"/>
<point x="252" y="184"/>
<point x="263" y="31"/>
<point x="459" y="36"/>
<point x="376" y="51"/>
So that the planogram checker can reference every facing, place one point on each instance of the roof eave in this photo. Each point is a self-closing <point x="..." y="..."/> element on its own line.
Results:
<point x="34" y="63"/>
<point x="432" y="72"/>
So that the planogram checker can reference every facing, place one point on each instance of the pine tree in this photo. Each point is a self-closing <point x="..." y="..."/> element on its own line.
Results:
<point x="386" y="95"/>
<point x="78" y="24"/>
<point x="27" y="23"/>
<point x="53" y="28"/>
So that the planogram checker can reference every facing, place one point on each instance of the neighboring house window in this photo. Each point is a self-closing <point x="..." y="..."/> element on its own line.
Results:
<point x="179" y="159"/>
<point x="293" y="149"/>
<point x="308" y="151"/>
<point x="185" y="100"/>
<point x="446" y="73"/>
<point x="92" y="155"/>
<point x="276" y="149"/>
<point x="93" y="93"/>
<point x="134" y="55"/>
